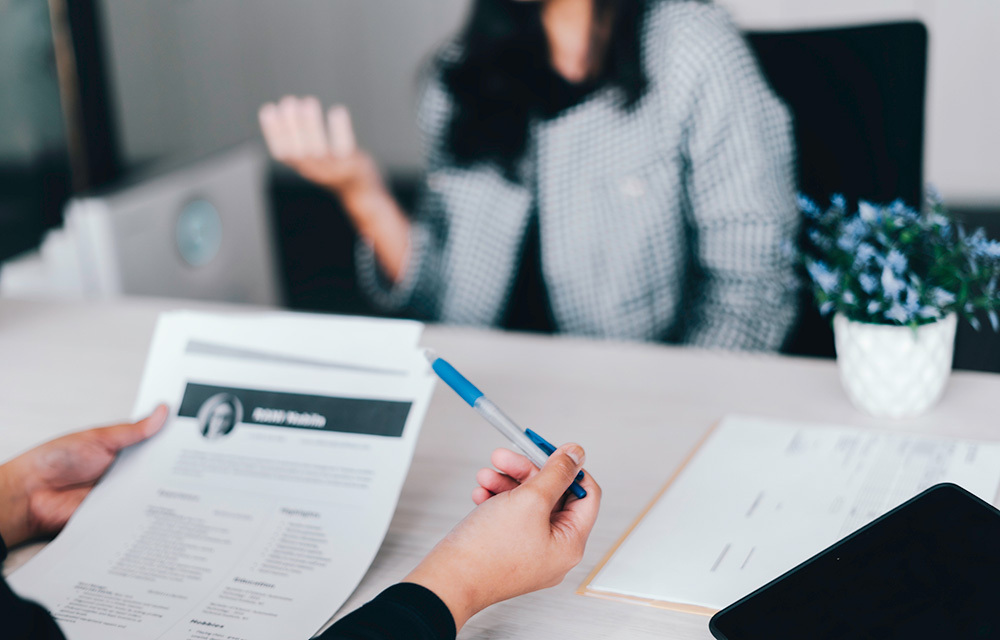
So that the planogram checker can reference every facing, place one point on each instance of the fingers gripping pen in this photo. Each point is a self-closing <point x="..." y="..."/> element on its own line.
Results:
<point x="532" y="445"/>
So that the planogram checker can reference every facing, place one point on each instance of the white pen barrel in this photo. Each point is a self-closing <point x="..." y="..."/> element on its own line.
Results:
<point x="492" y="414"/>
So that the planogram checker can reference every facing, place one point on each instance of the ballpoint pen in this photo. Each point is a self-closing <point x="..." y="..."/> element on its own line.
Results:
<point x="534" y="446"/>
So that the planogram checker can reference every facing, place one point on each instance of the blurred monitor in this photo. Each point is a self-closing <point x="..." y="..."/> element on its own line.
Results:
<point x="201" y="231"/>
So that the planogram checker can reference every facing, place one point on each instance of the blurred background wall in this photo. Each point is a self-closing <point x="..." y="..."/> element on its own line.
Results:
<point x="189" y="74"/>
<point x="185" y="77"/>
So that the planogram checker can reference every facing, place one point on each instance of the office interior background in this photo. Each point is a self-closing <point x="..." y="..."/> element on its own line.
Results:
<point x="100" y="93"/>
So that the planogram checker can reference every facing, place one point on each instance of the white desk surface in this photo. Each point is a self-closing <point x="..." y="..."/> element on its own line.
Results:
<point x="638" y="409"/>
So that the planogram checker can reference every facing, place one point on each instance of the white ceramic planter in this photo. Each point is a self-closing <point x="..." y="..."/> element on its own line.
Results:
<point x="894" y="372"/>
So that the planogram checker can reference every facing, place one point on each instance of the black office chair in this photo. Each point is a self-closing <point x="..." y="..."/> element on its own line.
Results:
<point x="857" y="97"/>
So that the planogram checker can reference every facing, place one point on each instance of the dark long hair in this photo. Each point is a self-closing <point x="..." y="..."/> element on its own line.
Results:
<point x="503" y="77"/>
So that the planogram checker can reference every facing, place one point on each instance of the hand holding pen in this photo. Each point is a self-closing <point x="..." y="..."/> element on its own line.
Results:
<point x="525" y="535"/>
<point x="532" y="445"/>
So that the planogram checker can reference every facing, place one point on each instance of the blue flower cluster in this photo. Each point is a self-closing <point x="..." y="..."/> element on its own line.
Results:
<point x="891" y="264"/>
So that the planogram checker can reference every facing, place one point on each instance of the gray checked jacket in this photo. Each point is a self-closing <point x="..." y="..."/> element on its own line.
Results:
<point x="670" y="222"/>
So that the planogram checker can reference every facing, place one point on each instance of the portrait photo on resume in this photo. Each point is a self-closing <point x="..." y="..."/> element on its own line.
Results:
<point x="219" y="415"/>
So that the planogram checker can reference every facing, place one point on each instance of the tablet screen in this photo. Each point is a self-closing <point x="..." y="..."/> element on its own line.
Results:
<point x="928" y="569"/>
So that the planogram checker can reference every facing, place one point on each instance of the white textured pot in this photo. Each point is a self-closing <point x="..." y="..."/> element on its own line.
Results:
<point x="894" y="372"/>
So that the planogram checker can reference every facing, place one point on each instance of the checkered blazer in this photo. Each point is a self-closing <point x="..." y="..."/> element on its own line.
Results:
<point x="670" y="222"/>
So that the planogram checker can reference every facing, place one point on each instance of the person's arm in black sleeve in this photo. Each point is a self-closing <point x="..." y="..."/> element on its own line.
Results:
<point x="404" y="611"/>
<point x="20" y="619"/>
<point x="524" y="535"/>
<point x="524" y="541"/>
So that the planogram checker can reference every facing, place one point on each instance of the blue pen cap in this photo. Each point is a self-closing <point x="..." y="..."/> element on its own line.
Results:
<point x="456" y="381"/>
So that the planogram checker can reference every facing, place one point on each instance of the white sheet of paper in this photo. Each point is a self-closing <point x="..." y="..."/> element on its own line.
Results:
<point x="261" y="531"/>
<point x="761" y="496"/>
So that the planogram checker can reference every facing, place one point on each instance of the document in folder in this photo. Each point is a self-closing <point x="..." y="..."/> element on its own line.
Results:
<point x="259" y="507"/>
<point x="760" y="496"/>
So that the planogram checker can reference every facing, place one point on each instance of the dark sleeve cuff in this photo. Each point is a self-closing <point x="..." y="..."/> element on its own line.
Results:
<point x="22" y="620"/>
<point x="403" y="611"/>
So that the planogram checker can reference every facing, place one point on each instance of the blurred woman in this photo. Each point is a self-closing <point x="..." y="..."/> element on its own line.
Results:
<point x="614" y="168"/>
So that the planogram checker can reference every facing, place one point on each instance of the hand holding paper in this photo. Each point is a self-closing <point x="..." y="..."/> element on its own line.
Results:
<point x="42" y="487"/>
<point x="260" y="505"/>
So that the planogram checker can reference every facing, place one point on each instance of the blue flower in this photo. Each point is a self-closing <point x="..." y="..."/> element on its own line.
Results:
<point x="826" y="280"/>
<point x="891" y="285"/>
<point x="864" y="253"/>
<point x="856" y="228"/>
<point x="885" y="261"/>
<point x="983" y="247"/>
<point x="851" y="235"/>
<point x="846" y="243"/>
<point x="868" y="282"/>
<point x="896" y="261"/>
<point x="819" y="239"/>
<point x="868" y="212"/>
<point x="900" y="214"/>
<point x="898" y="313"/>
<point x="808" y="207"/>
<point x="938" y="220"/>
<point x="939" y="223"/>
<point x="942" y="298"/>
<point x="899" y="210"/>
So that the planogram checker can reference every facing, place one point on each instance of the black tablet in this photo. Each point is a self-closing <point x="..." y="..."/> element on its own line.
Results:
<point x="928" y="569"/>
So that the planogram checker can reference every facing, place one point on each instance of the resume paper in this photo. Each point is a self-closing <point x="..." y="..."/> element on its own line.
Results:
<point x="259" y="507"/>
<point x="761" y="496"/>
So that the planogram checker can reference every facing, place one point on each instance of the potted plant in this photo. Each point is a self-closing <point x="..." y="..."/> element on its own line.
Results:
<point x="896" y="280"/>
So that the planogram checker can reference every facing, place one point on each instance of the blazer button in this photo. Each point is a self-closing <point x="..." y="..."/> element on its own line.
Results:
<point x="632" y="187"/>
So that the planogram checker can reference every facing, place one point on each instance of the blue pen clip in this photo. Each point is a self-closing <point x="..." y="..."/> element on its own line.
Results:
<point x="547" y="447"/>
